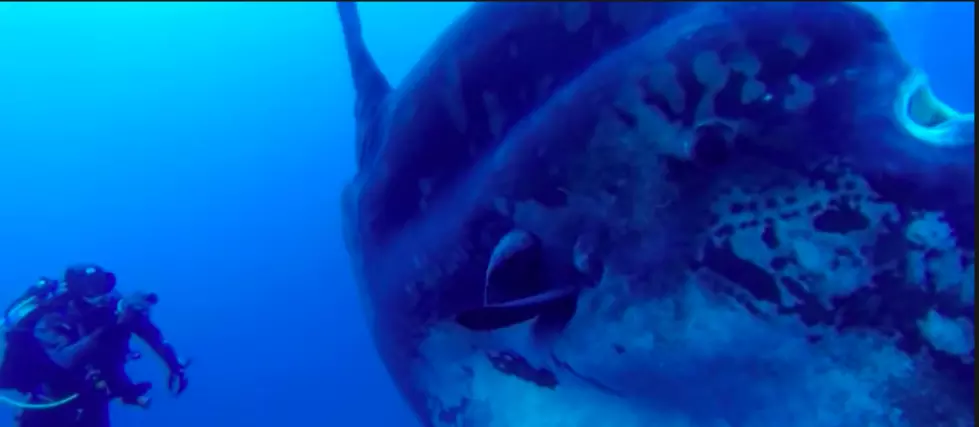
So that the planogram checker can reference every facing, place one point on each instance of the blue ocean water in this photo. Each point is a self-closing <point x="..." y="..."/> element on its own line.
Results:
<point x="198" y="150"/>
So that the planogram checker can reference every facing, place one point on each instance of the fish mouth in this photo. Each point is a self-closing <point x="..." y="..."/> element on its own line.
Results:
<point x="930" y="120"/>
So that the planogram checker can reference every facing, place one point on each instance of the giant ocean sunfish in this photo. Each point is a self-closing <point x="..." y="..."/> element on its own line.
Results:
<point x="665" y="214"/>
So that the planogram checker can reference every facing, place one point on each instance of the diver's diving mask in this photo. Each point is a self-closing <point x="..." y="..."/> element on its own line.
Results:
<point x="91" y="283"/>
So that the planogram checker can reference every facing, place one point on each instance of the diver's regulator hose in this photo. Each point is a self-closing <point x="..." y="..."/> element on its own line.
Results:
<point x="30" y="406"/>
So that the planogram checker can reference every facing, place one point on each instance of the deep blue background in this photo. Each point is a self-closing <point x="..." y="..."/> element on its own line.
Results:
<point x="199" y="150"/>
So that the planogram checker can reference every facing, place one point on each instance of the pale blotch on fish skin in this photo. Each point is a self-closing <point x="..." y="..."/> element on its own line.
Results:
<point x="751" y="91"/>
<point x="494" y="114"/>
<point x="709" y="70"/>
<point x="662" y="79"/>
<point x="452" y="97"/>
<point x="714" y="75"/>
<point x="655" y="125"/>
<point x="748" y="64"/>
<point x="745" y="62"/>
<point x="705" y="112"/>
<point x="798" y="43"/>
<point x="802" y="96"/>
<point x="575" y="15"/>
<point x="652" y="125"/>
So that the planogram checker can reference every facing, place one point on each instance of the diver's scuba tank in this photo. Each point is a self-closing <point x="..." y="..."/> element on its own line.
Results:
<point x="17" y="345"/>
<point x="21" y="308"/>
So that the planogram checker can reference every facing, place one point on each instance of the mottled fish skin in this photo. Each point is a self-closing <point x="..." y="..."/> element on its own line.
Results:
<point x="492" y="68"/>
<point x="773" y="247"/>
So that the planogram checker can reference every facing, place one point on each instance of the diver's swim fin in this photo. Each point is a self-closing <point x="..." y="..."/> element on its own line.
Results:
<point x="516" y="289"/>
<point x="371" y="85"/>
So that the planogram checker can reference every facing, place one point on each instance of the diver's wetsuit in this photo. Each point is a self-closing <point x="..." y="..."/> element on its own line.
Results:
<point x="82" y="341"/>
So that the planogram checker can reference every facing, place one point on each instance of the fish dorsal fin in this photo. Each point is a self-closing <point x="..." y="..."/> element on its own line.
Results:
<point x="370" y="84"/>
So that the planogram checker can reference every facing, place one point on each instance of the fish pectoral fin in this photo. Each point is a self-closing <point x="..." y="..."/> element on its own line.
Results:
<point x="515" y="289"/>
<point x="514" y="272"/>
<point x="552" y="309"/>
<point x="492" y="318"/>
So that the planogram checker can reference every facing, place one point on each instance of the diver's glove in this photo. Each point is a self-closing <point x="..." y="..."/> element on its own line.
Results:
<point x="136" y="395"/>
<point x="134" y="305"/>
<point x="177" y="382"/>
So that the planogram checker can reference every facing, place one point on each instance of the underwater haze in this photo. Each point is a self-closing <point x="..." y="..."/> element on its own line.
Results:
<point x="199" y="150"/>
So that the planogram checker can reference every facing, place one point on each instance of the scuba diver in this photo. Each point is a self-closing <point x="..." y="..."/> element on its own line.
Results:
<point x="67" y="346"/>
